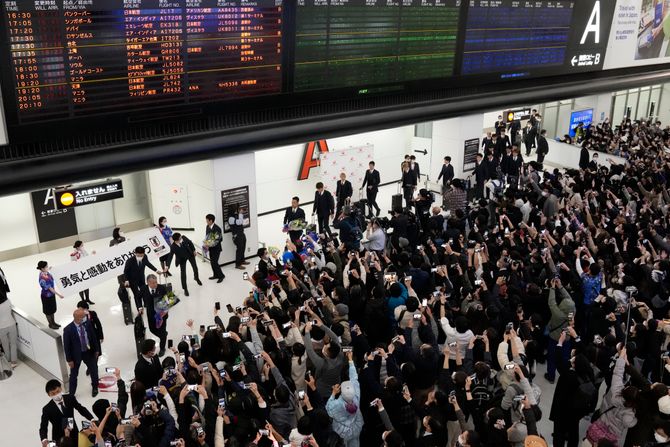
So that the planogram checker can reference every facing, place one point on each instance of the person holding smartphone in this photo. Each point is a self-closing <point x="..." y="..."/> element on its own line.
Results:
<point x="184" y="251"/>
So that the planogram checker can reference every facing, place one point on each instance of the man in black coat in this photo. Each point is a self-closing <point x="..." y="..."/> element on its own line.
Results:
<point x="154" y="291"/>
<point x="372" y="181"/>
<point x="446" y="173"/>
<point x="215" y="249"/>
<point x="133" y="272"/>
<point x="294" y="212"/>
<point x="343" y="191"/>
<point x="409" y="182"/>
<point x="542" y="146"/>
<point x="57" y="412"/>
<point x="324" y="208"/>
<point x="584" y="156"/>
<point x="148" y="369"/>
<point x="184" y="251"/>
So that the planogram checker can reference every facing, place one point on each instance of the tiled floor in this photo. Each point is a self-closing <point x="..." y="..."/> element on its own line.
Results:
<point x="22" y="395"/>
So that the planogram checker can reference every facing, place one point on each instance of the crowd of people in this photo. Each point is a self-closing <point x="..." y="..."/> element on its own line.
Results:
<point x="424" y="328"/>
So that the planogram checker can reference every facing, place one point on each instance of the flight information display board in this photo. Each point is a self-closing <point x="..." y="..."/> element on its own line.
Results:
<point x="506" y="35"/>
<point x="344" y="43"/>
<point x="79" y="57"/>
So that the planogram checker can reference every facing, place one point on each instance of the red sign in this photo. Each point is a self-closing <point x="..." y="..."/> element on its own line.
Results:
<point x="308" y="160"/>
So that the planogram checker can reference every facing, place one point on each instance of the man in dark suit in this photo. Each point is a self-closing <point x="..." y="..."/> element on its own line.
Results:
<point x="487" y="142"/>
<point x="584" y="156"/>
<point x="215" y="249"/>
<point x="294" y="212"/>
<point x="414" y="167"/>
<point x="343" y="191"/>
<point x="372" y="181"/>
<point x="81" y="345"/>
<point x="480" y="176"/>
<point x="499" y="125"/>
<point x="542" y="146"/>
<point x="57" y="412"/>
<point x="503" y="144"/>
<point x="184" y="251"/>
<point x="154" y="291"/>
<point x="446" y="174"/>
<point x="324" y="208"/>
<point x="148" y="369"/>
<point x="409" y="182"/>
<point x="134" y="273"/>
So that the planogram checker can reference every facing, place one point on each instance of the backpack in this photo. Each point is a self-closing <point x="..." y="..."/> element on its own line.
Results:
<point x="586" y="399"/>
<point x="482" y="393"/>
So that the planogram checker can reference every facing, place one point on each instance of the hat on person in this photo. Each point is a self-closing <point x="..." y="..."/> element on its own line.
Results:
<point x="403" y="242"/>
<point x="534" y="441"/>
<point x="664" y="405"/>
<point x="347" y="391"/>
<point x="331" y="267"/>
<point x="342" y="309"/>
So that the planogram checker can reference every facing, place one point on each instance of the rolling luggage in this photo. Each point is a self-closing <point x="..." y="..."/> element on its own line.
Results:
<point x="125" y="305"/>
<point x="396" y="201"/>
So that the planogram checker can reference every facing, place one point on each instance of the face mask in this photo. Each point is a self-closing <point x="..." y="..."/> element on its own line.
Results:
<point x="139" y="259"/>
<point x="58" y="398"/>
<point x="659" y="438"/>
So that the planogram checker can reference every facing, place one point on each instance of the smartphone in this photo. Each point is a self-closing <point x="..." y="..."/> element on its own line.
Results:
<point x="453" y="344"/>
<point x="202" y="328"/>
<point x="417" y="316"/>
<point x="212" y="327"/>
<point x="264" y="432"/>
<point x="395" y="339"/>
<point x="301" y="395"/>
<point x="245" y="320"/>
<point x="114" y="406"/>
<point x="374" y="403"/>
<point x="125" y="422"/>
<point x="346" y="349"/>
<point x="436" y="293"/>
<point x="174" y="443"/>
<point x="87" y="424"/>
<point x="230" y="309"/>
<point x="245" y="276"/>
<point x="267" y="323"/>
<point x="306" y="278"/>
<point x="182" y="358"/>
<point x="70" y="423"/>
<point x="110" y="370"/>
<point x="192" y="387"/>
<point x="236" y="367"/>
<point x="222" y="403"/>
<point x="286" y="325"/>
<point x="509" y="366"/>
<point x="217" y="305"/>
<point x="419" y="247"/>
<point x="424" y="302"/>
<point x="200" y="431"/>
<point x="571" y="316"/>
<point x="52" y="444"/>
<point x="222" y="373"/>
<point x="408" y="278"/>
<point x="225" y="334"/>
<point x="519" y="397"/>
<point x="509" y="327"/>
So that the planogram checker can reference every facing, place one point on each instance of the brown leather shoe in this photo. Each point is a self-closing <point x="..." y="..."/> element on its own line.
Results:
<point x="246" y="262"/>
<point x="240" y="267"/>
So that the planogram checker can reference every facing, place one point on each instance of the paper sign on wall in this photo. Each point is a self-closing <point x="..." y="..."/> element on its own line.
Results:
<point x="92" y="270"/>
<point x="352" y="161"/>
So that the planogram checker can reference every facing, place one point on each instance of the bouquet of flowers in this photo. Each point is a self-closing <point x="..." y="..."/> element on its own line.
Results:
<point x="212" y="239"/>
<point x="163" y="305"/>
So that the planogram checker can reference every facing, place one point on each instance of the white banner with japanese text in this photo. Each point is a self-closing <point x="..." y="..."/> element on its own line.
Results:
<point x="89" y="271"/>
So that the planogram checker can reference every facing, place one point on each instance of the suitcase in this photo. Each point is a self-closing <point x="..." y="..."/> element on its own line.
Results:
<point x="396" y="201"/>
<point x="139" y="332"/>
<point x="124" y="297"/>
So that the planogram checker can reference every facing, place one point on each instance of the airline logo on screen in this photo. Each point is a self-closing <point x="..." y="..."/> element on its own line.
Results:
<point x="309" y="160"/>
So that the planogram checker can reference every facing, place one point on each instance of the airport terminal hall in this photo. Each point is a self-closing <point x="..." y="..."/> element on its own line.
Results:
<point x="335" y="223"/>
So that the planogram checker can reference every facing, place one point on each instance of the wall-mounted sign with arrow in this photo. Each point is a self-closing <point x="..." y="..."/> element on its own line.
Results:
<point x="424" y="152"/>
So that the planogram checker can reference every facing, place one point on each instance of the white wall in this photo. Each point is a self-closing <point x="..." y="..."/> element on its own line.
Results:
<point x="198" y="181"/>
<point x="17" y="222"/>
<point x="232" y="172"/>
<point x="448" y="138"/>
<point x="277" y="169"/>
<point x="133" y="205"/>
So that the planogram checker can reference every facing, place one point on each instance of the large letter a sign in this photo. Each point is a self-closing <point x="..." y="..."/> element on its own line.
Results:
<point x="309" y="160"/>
